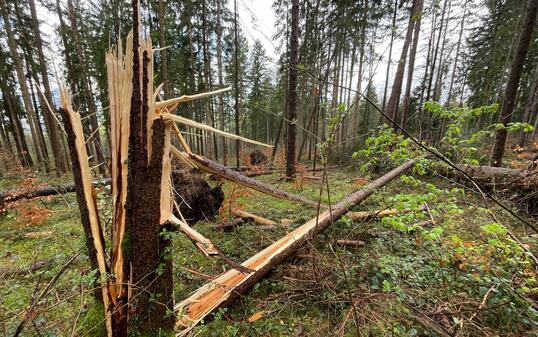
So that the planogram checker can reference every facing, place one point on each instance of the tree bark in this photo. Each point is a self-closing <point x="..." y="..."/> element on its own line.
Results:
<point x="510" y="93"/>
<point x="456" y="57"/>
<point x="292" y="91"/>
<point x="51" y="123"/>
<point x="393" y="32"/>
<point x="530" y="106"/>
<point x="78" y="187"/>
<point x="217" y="169"/>
<point x="220" y="80"/>
<point x="163" y="52"/>
<point x="86" y="91"/>
<point x="236" y="75"/>
<point x="411" y="68"/>
<point x="394" y="100"/>
<point x="12" y="44"/>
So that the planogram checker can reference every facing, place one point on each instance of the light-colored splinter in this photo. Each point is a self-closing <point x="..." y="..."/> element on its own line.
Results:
<point x="187" y="98"/>
<point x="189" y="122"/>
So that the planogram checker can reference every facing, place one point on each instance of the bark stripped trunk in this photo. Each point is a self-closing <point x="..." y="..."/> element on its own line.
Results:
<point x="292" y="91"/>
<point x="510" y="93"/>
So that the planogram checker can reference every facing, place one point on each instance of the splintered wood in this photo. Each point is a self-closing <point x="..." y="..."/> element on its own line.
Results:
<point x="226" y="287"/>
<point x="90" y="200"/>
<point x="120" y="88"/>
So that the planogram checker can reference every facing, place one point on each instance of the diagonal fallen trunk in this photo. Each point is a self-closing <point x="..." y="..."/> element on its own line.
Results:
<point x="224" y="289"/>
<point x="236" y="177"/>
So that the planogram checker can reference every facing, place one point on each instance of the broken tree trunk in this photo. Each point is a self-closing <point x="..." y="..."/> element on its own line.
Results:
<point x="251" y="217"/>
<point x="217" y="169"/>
<point x="86" y="197"/>
<point x="495" y="177"/>
<point x="365" y="215"/>
<point x="228" y="226"/>
<point x="29" y="193"/>
<point x="224" y="289"/>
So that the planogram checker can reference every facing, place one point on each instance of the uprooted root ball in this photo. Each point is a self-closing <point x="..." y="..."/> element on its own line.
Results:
<point x="195" y="197"/>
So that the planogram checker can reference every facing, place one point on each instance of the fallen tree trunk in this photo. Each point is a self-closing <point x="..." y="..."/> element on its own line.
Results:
<point x="251" y="217"/>
<point x="29" y="193"/>
<point x="224" y="289"/>
<point x="217" y="169"/>
<point x="366" y="215"/>
<point x="228" y="226"/>
<point x="498" y="177"/>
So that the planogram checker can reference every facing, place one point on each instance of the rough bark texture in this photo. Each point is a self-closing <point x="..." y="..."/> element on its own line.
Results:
<point x="510" y="92"/>
<point x="411" y="68"/>
<point x="292" y="90"/>
<point x="394" y="100"/>
<point x="86" y="91"/>
<point x="146" y="257"/>
<point x="84" y="214"/>
<point x="12" y="44"/>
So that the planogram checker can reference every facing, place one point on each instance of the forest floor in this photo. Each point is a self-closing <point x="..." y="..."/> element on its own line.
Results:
<point x="458" y="277"/>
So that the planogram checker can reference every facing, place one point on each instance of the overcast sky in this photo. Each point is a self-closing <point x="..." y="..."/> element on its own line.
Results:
<point x="257" y="20"/>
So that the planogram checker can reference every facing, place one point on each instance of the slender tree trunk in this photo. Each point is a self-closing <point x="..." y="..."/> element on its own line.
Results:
<point x="411" y="69"/>
<point x="32" y="121"/>
<point x="510" y="93"/>
<point x="50" y="121"/>
<point x="163" y="52"/>
<point x="87" y="93"/>
<point x="435" y="52"/>
<point x="220" y="79"/>
<point x="439" y="80"/>
<point x="15" y="122"/>
<point x="236" y="56"/>
<point x="393" y="32"/>
<point x="292" y="91"/>
<point x="457" y="55"/>
<point x="530" y="106"/>
<point x="394" y="100"/>
<point x="207" y="76"/>
<point x="39" y="127"/>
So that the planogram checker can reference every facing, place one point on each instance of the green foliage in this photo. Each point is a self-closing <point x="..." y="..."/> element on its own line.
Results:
<point x="386" y="149"/>
<point x="464" y="135"/>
